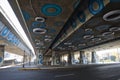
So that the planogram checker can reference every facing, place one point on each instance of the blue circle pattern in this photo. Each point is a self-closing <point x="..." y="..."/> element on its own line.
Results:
<point x="57" y="8"/>
<point x="81" y="16"/>
<point x="36" y="24"/>
<point x="100" y="3"/>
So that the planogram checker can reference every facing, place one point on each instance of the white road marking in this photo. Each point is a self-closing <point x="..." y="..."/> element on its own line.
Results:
<point x="64" y="75"/>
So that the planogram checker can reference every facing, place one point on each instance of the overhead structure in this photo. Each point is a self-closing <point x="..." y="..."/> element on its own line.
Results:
<point x="68" y="25"/>
<point x="10" y="39"/>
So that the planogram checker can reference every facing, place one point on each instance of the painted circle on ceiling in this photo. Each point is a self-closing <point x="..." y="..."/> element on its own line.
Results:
<point x="81" y="16"/>
<point x="36" y="24"/>
<point x="102" y="27"/>
<point x="1" y="59"/>
<point x="89" y="31"/>
<point x="95" y="6"/>
<point x="51" y="9"/>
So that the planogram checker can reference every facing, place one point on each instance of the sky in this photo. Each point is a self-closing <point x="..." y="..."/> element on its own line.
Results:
<point x="10" y="56"/>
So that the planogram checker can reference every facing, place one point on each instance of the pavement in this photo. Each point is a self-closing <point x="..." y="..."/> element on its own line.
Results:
<point x="73" y="72"/>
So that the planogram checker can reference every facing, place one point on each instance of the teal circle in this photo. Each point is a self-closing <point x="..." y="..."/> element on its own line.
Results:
<point x="100" y="4"/>
<point x="45" y="8"/>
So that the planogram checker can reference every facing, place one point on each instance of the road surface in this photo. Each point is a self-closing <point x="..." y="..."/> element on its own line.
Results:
<point x="88" y="72"/>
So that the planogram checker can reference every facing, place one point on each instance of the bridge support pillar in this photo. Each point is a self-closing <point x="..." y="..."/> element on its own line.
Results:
<point x="2" y="47"/>
<point x="69" y="58"/>
<point x="93" y="57"/>
<point x="39" y="59"/>
<point x="82" y="57"/>
<point x="55" y="58"/>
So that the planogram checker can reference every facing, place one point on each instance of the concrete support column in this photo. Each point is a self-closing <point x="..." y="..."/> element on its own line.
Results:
<point x="58" y="59"/>
<point x="72" y="57"/>
<point x="2" y="47"/>
<point x="55" y="58"/>
<point x="69" y="58"/>
<point x="82" y="57"/>
<point x="93" y="57"/>
<point x="39" y="58"/>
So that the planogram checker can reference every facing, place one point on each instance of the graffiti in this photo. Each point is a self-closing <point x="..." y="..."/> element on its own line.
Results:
<point x="10" y="36"/>
<point x="40" y="59"/>
<point x="4" y="32"/>
<point x="15" y="40"/>
<point x="51" y="9"/>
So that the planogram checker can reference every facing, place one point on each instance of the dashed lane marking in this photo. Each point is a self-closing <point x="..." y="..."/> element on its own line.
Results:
<point x="64" y="75"/>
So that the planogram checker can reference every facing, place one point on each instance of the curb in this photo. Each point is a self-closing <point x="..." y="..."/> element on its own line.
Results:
<point x="28" y="69"/>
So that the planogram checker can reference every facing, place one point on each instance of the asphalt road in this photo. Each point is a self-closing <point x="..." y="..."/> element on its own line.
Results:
<point x="91" y="72"/>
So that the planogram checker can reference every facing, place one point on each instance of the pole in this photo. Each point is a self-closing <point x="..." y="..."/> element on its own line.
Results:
<point x="30" y="59"/>
<point x="24" y="59"/>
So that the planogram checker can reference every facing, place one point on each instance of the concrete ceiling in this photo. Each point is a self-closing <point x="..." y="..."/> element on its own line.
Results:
<point x="95" y="31"/>
<point x="53" y="14"/>
<point x="68" y="24"/>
